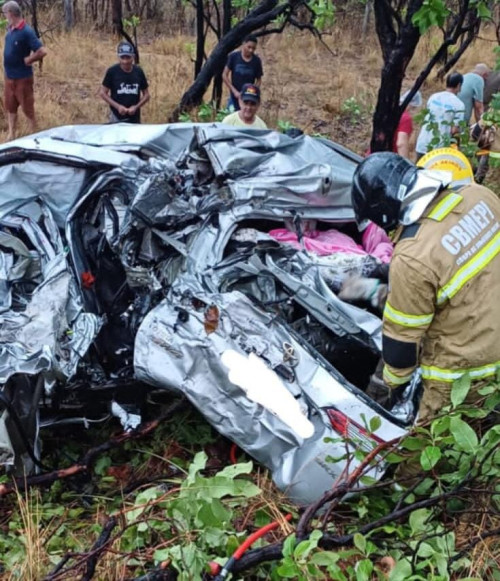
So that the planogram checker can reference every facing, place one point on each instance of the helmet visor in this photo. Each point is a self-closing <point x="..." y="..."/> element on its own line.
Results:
<point x="425" y="188"/>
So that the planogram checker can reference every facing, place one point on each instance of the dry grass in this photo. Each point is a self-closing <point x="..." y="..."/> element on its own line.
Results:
<point x="34" y="537"/>
<point x="485" y="556"/>
<point x="304" y="83"/>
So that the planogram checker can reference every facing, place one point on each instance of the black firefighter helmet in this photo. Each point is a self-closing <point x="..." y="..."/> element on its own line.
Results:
<point x="381" y="183"/>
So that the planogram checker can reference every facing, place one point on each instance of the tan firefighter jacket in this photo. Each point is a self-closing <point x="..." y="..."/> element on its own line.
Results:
<point x="443" y="306"/>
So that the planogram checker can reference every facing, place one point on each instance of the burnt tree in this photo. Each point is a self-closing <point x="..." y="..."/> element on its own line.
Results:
<point x="226" y="27"/>
<point x="200" y="37"/>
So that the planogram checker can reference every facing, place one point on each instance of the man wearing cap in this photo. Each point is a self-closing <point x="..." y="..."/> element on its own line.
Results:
<point x="22" y="49"/>
<point x="249" y="105"/>
<point x="125" y="87"/>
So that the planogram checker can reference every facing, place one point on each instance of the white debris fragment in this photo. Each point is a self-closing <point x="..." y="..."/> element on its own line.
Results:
<point x="263" y="386"/>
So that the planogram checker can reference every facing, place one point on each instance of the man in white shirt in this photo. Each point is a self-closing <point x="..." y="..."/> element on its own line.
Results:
<point x="445" y="112"/>
<point x="249" y="105"/>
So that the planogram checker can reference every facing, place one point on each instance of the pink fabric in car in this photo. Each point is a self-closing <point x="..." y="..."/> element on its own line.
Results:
<point x="374" y="242"/>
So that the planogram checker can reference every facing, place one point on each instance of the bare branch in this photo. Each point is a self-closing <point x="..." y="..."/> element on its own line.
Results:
<point x="99" y="547"/>
<point x="206" y="18"/>
<point x="384" y="26"/>
<point x="340" y="490"/>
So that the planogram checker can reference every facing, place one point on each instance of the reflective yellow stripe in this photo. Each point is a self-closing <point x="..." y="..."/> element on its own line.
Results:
<point x="394" y="379"/>
<point x="405" y="319"/>
<point x="469" y="270"/>
<point x="444" y="207"/>
<point x="449" y="375"/>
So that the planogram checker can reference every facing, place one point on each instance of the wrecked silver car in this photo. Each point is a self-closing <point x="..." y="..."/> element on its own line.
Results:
<point x="201" y="259"/>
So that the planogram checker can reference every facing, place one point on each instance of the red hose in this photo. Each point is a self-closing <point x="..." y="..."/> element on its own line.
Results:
<point x="249" y="541"/>
<point x="221" y="574"/>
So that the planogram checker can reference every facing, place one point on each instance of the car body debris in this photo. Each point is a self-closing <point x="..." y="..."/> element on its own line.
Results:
<point x="198" y="259"/>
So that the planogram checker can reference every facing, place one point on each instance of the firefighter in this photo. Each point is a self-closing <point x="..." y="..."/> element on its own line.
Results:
<point x="487" y="136"/>
<point x="442" y="311"/>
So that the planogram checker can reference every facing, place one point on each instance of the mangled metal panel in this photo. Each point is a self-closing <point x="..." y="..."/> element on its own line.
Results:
<point x="46" y="147"/>
<point x="47" y="329"/>
<point x="300" y="274"/>
<point x="59" y="186"/>
<point x="311" y="290"/>
<point x="296" y="195"/>
<point x="187" y="354"/>
<point x="300" y="171"/>
<point x="167" y="141"/>
<point x="52" y="171"/>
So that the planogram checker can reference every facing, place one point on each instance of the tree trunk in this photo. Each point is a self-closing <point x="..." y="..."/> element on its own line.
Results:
<point x="200" y="38"/>
<point x="217" y="90"/>
<point x="366" y="20"/>
<point x="69" y="17"/>
<point x="117" y="16"/>
<point x="387" y="115"/>
<point x="397" y="49"/>
<point x="34" y="17"/>
<point x="226" y="27"/>
<point x="226" y="22"/>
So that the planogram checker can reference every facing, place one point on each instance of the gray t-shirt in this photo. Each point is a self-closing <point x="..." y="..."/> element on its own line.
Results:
<point x="446" y="110"/>
<point x="472" y="90"/>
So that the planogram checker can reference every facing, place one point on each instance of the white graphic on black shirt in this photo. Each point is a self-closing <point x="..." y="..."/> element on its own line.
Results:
<point x="128" y="89"/>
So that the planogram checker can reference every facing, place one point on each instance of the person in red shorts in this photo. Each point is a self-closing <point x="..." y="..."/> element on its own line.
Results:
<point x="22" y="49"/>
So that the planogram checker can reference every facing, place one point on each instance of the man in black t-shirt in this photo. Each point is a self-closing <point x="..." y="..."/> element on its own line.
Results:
<point x="125" y="87"/>
<point x="243" y="67"/>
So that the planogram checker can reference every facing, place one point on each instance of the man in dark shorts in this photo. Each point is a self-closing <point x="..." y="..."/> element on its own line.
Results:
<point x="22" y="48"/>
<point x="243" y="67"/>
<point x="125" y="88"/>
